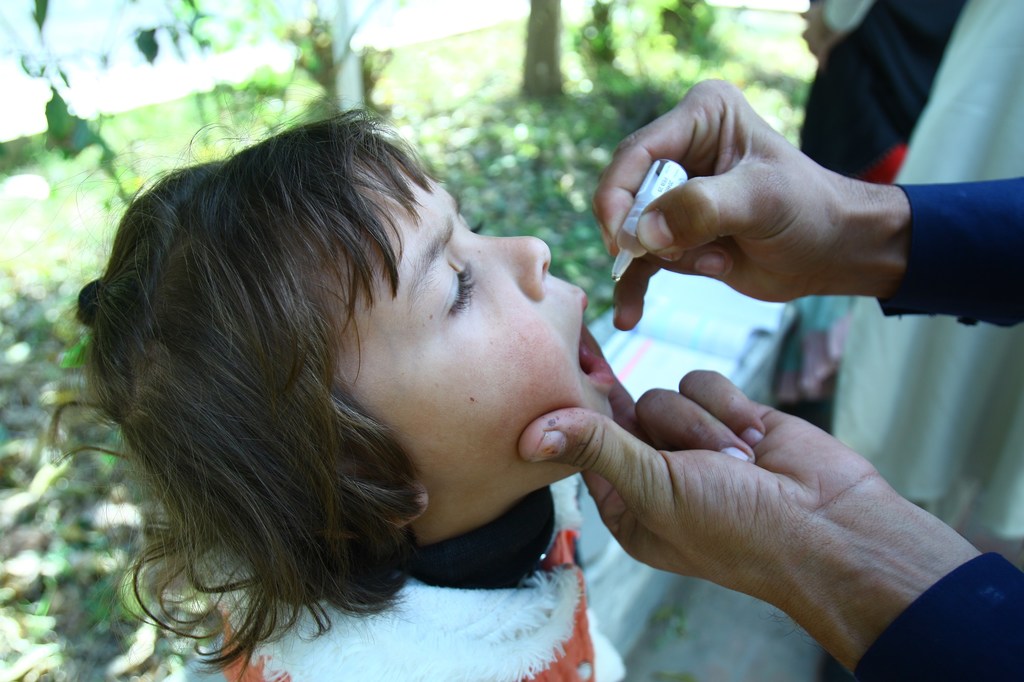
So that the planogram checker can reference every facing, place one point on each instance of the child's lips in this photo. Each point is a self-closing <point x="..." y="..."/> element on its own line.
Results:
<point x="592" y="361"/>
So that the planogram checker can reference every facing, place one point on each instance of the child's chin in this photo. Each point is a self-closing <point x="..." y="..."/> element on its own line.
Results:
<point x="562" y="472"/>
<point x="599" y="403"/>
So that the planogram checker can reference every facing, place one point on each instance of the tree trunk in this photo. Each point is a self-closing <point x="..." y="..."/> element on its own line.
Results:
<point x="542" y="75"/>
<point x="347" y="69"/>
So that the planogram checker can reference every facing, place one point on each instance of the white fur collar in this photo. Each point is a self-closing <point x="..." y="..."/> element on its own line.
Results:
<point x="439" y="634"/>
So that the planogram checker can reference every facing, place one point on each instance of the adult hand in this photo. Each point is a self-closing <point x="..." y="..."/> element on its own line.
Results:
<point x="820" y="37"/>
<point x="810" y="526"/>
<point x="756" y="213"/>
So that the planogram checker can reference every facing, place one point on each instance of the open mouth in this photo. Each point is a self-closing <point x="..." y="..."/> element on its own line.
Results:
<point x="592" y="361"/>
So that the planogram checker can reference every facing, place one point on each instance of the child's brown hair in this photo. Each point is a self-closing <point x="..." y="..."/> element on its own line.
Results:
<point x="215" y="333"/>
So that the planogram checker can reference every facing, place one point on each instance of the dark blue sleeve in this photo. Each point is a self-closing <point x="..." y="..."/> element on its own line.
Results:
<point x="966" y="248"/>
<point x="968" y="626"/>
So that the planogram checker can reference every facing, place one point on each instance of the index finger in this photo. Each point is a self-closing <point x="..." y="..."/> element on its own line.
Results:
<point x="664" y="138"/>
<point x="689" y="133"/>
<point x="617" y="188"/>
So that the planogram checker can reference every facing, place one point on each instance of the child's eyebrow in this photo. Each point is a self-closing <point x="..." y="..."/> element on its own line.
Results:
<point x="425" y="261"/>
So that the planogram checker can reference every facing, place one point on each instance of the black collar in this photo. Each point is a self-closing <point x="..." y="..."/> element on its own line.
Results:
<point x="497" y="555"/>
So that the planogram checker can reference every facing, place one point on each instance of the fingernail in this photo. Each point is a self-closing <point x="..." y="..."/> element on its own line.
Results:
<point x="551" y="444"/>
<point x="653" y="232"/>
<point x="710" y="264"/>
<point x="737" y="453"/>
<point x="752" y="436"/>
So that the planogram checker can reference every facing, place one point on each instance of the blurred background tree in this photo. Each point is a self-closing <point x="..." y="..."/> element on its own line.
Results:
<point x="542" y="74"/>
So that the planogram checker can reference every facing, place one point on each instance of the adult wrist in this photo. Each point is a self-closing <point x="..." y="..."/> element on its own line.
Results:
<point x="873" y="241"/>
<point x="854" y="581"/>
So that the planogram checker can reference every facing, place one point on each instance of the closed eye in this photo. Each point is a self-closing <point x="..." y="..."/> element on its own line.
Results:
<point x="464" y="292"/>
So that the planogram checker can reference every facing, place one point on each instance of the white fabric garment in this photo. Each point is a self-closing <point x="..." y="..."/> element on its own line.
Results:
<point x="936" y="405"/>
<point x="438" y="634"/>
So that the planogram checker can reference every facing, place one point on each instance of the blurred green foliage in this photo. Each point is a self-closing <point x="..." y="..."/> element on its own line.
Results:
<point x="517" y="166"/>
<point x="641" y="28"/>
<point x="193" y="25"/>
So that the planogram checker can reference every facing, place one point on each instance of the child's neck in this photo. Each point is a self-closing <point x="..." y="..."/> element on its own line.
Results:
<point x="498" y="554"/>
<point x="450" y="515"/>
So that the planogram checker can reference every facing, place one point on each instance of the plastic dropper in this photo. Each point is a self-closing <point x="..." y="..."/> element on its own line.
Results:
<point x="663" y="176"/>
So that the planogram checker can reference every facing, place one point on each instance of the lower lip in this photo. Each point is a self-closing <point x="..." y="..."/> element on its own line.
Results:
<point x="595" y="366"/>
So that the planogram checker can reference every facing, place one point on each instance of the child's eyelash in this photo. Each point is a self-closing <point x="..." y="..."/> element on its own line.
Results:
<point x="464" y="293"/>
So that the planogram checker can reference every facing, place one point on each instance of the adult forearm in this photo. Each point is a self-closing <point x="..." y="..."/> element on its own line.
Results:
<point x="852" y="581"/>
<point x="873" y="239"/>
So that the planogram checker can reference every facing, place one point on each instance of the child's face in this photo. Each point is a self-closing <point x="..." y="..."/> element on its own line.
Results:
<point x="479" y="341"/>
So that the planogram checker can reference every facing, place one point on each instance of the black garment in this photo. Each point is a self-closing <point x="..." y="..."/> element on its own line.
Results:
<point x="876" y="83"/>
<point x="497" y="555"/>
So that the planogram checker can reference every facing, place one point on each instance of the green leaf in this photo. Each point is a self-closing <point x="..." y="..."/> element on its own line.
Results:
<point x="175" y="35"/>
<point x="75" y="356"/>
<point x="39" y="13"/>
<point x="59" y="121"/>
<point x="145" y="40"/>
<point x="82" y="136"/>
<point x="64" y="130"/>
<point x="30" y="68"/>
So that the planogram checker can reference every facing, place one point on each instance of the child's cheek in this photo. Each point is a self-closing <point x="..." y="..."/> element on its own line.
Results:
<point x="540" y="372"/>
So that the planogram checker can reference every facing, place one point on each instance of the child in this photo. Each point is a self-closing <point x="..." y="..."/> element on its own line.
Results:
<point x="321" y="375"/>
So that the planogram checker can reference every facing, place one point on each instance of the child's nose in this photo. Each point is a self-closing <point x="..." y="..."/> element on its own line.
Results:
<point x="531" y="257"/>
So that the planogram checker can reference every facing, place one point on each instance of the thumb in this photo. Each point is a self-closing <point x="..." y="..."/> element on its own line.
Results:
<point x="628" y="468"/>
<point x="702" y="210"/>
